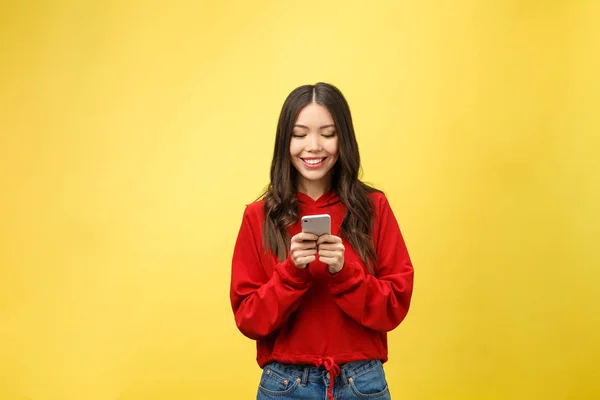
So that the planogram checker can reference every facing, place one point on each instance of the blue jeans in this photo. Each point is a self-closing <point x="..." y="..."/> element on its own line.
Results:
<point x="357" y="380"/>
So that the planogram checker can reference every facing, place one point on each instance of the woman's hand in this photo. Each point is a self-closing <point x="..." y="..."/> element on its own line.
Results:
<point x="303" y="249"/>
<point x="331" y="252"/>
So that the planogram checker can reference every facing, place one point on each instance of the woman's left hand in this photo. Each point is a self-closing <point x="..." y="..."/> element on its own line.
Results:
<point x="331" y="252"/>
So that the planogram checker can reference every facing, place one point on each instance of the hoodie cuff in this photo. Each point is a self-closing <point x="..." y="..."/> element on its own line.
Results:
<point x="292" y="274"/>
<point x="348" y="276"/>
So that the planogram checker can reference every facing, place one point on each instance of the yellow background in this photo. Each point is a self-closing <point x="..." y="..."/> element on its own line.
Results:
<point x="133" y="133"/>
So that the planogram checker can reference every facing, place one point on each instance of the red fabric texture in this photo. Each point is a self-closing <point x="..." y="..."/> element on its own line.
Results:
<point x="308" y="316"/>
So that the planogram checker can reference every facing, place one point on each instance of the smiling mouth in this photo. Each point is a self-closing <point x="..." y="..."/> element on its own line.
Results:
<point x="313" y="161"/>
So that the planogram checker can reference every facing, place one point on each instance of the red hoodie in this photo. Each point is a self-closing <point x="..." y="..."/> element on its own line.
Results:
<point x="308" y="316"/>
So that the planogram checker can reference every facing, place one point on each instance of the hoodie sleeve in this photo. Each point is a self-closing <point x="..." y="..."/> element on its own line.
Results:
<point x="261" y="303"/>
<point x="381" y="301"/>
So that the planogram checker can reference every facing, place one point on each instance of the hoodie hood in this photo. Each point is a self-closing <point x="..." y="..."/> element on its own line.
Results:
<point x="327" y="199"/>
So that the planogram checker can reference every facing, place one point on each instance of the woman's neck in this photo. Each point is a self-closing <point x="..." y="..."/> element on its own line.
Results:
<point x="314" y="189"/>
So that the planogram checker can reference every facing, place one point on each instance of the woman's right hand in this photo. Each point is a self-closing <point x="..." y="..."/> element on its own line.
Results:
<point x="303" y="249"/>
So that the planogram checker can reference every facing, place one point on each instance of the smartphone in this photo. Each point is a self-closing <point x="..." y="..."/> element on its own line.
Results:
<point x="317" y="224"/>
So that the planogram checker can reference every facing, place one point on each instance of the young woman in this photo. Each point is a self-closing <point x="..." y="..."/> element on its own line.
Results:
<point x="319" y="307"/>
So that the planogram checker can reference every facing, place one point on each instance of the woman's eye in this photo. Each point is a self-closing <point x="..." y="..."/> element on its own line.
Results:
<point x="298" y="135"/>
<point x="329" y="135"/>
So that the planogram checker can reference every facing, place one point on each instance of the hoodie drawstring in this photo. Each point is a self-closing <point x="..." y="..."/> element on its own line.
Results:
<point x="333" y="369"/>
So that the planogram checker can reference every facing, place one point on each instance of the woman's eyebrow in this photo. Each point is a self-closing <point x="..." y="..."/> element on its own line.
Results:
<point x="321" y="127"/>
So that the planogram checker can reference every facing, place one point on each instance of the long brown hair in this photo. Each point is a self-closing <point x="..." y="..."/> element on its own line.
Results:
<point x="280" y="202"/>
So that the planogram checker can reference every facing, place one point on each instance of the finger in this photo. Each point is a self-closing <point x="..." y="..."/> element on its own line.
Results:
<point x="305" y="260"/>
<point x="327" y="260"/>
<point x="328" y="253"/>
<point x="323" y="239"/>
<point x="312" y="244"/>
<point x="332" y="246"/>
<point x="329" y="239"/>
<point x="304" y="253"/>
<point x="305" y="236"/>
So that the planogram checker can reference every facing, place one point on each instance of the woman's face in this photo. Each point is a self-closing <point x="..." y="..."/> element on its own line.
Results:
<point x="314" y="145"/>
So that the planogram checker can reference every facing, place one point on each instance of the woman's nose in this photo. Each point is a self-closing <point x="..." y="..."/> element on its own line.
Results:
<point x="314" y="143"/>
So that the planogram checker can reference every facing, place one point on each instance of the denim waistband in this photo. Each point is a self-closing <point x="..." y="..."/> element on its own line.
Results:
<point x="315" y="374"/>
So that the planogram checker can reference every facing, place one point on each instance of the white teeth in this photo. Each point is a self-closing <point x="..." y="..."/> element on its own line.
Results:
<point x="313" y="162"/>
